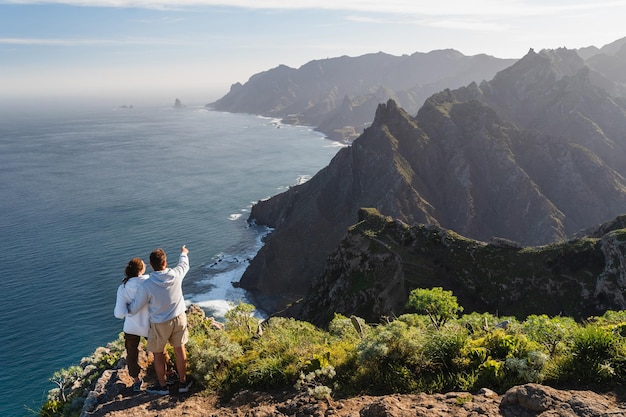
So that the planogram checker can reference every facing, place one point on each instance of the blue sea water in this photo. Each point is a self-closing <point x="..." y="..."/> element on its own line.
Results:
<point x="83" y="190"/>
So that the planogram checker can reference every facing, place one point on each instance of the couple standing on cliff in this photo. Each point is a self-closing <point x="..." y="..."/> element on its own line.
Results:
<point x="154" y="307"/>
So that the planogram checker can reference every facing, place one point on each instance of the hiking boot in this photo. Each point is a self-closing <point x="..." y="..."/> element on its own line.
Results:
<point x="137" y="385"/>
<point x="185" y="386"/>
<point x="157" y="389"/>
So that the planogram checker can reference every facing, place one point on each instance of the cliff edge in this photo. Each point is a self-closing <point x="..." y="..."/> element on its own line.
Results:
<point x="530" y="400"/>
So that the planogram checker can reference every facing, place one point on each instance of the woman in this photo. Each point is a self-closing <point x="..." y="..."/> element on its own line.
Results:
<point x="135" y="325"/>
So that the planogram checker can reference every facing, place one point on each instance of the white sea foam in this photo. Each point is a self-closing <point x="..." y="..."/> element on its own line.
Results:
<point x="220" y="275"/>
<point x="302" y="179"/>
<point x="222" y="296"/>
<point x="234" y="216"/>
<point x="335" y="144"/>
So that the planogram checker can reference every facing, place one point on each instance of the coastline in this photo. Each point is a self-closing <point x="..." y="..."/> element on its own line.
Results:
<point x="88" y="175"/>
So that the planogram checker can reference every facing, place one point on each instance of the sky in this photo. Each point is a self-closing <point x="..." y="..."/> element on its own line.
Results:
<point x="127" y="51"/>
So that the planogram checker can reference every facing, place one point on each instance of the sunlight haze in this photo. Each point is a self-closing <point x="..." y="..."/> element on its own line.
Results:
<point x="156" y="50"/>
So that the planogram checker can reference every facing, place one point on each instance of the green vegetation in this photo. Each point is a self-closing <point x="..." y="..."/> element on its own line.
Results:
<point x="438" y="304"/>
<point x="67" y="398"/>
<point x="578" y="278"/>
<point x="431" y="352"/>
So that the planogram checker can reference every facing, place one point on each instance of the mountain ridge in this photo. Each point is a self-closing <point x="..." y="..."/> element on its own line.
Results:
<point x="339" y="95"/>
<point x="380" y="260"/>
<point x="460" y="165"/>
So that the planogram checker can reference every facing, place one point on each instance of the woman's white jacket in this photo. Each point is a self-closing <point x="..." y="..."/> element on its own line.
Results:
<point x="137" y="323"/>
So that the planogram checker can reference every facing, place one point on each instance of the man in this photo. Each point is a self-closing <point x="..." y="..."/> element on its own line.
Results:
<point x="163" y="293"/>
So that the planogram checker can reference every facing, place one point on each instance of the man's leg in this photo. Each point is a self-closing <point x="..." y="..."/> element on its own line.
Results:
<point x="181" y="363"/>
<point x="160" y="367"/>
<point x="157" y="340"/>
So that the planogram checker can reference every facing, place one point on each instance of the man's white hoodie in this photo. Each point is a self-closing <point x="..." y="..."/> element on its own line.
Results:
<point x="163" y="293"/>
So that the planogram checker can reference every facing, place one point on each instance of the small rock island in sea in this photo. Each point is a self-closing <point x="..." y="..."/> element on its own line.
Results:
<point x="179" y="104"/>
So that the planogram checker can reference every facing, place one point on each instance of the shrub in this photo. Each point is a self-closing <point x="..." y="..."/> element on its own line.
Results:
<point x="611" y="317"/>
<point x="389" y="357"/>
<point x="342" y="327"/>
<point x="528" y="369"/>
<point x="416" y="320"/>
<point x="438" y="304"/>
<point x="395" y="341"/>
<point x="501" y="345"/>
<point x="52" y="408"/>
<point x="276" y="359"/>
<point x="443" y="366"/>
<point x="241" y="323"/>
<point x="443" y="348"/>
<point x="491" y="374"/>
<point x="209" y="354"/>
<point x="502" y="359"/>
<point x="478" y="323"/>
<point x="593" y="344"/>
<point x="64" y="379"/>
<point x="594" y="356"/>
<point x="552" y="333"/>
<point x="71" y="383"/>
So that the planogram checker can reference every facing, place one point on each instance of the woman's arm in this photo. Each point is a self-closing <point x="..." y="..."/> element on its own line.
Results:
<point x="120" y="311"/>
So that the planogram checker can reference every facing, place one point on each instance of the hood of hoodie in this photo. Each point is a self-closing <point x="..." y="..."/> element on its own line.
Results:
<point x="163" y="278"/>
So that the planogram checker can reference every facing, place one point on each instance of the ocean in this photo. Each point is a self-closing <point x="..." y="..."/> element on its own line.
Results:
<point x="85" y="188"/>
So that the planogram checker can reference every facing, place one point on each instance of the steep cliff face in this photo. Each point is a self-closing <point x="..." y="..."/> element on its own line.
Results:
<point x="381" y="260"/>
<point x="310" y="219"/>
<point x="549" y="170"/>
<point x="477" y="183"/>
<point x="539" y="187"/>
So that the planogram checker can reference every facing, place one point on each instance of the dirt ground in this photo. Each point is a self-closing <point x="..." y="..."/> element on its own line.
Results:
<point x="116" y="399"/>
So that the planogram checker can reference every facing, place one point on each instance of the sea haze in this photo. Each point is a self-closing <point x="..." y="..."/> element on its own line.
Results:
<point x="85" y="189"/>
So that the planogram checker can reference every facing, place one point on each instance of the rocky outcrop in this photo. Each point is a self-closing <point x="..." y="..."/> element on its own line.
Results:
<point x="529" y="400"/>
<point x="381" y="260"/>
<point x="541" y="401"/>
<point x="340" y="95"/>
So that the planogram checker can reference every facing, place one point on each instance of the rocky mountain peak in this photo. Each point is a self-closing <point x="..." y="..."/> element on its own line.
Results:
<point x="563" y="61"/>
<point x="388" y="112"/>
<point x="536" y="73"/>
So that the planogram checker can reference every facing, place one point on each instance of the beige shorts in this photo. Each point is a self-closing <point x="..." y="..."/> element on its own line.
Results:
<point x="173" y="331"/>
